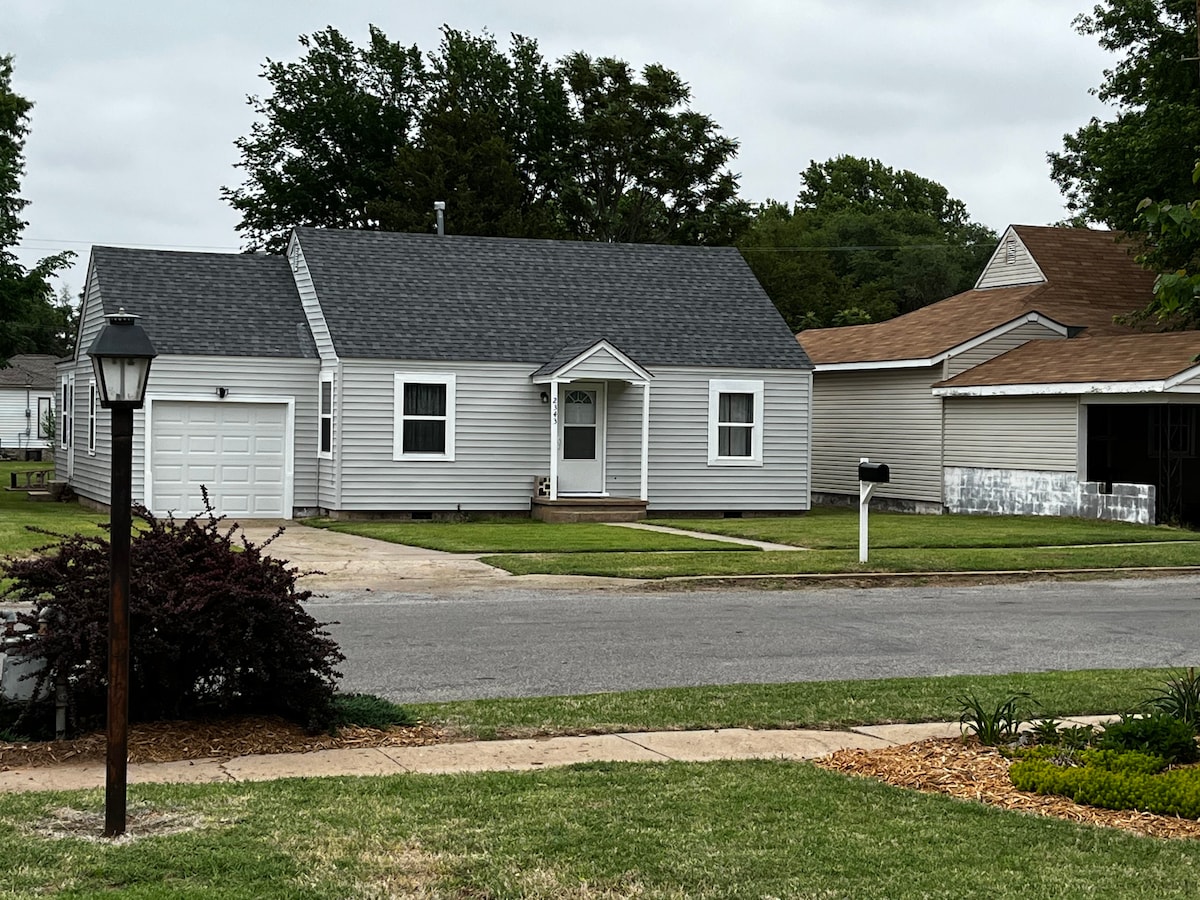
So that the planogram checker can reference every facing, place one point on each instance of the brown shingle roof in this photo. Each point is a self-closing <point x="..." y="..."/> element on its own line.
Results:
<point x="1090" y="277"/>
<point x="1088" y="359"/>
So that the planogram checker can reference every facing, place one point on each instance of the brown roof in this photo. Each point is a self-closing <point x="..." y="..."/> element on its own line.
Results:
<point x="1088" y="359"/>
<point x="1090" y="278"/>
<point x="36" y="370"/>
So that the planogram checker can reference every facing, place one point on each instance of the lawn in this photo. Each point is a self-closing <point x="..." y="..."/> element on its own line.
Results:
<point x="17" y="512"/>
<point x="523" y="536"/>
<point x="829" y="528"/>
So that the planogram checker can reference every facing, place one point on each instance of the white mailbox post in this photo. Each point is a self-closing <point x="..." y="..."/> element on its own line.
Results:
<point x="870" y="474"/>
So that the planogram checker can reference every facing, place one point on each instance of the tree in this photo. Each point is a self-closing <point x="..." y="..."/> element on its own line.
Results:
<point x="29" y="320"/>
<point x="890" y="240"/>
<point x="1148" y="149"/>
<point x="1173" y="231"/>
<point x="370" y="138"/>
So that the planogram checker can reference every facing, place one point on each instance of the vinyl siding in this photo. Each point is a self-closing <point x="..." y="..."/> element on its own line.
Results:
<point x="890" y="416"/>
<point x="997" y="346"/>
<point x="1000" y="272"/>
<point x="502" y="442"/>
<point x="13" y="423"/>
<point x="1028" y="433"/>
<point x="600" y="366"/>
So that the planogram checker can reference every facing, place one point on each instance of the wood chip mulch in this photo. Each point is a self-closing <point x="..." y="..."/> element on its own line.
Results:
<point x="239" y="736"/>
<point x="970" y="771"/>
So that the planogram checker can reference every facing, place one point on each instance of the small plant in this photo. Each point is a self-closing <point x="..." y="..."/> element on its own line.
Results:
<point x="993" y="725"/>
<point x="369" y="711"/>
<point x="1045" y="731"/>
<point x="1179" y="697"/>
<point x="1156" y="734"/>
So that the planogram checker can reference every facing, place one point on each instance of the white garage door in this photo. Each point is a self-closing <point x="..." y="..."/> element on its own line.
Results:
<point x="238" y="451"/>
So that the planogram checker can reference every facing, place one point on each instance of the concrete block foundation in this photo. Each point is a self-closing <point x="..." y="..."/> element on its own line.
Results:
<point x="1023" y="492"/>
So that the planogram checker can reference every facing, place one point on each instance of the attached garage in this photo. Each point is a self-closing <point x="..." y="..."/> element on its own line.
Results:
<point x="239" y="450"/>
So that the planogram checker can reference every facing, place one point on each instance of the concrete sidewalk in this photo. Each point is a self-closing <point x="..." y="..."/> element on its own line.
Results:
<point x="508" y="755"/>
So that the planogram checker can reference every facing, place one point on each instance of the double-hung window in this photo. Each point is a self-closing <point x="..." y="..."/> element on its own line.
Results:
<point x="735" y="422"/>
<point x="91" y="434"/>
<point x="325" y="415"/>
<point x="65" y="412"/>
<point x="45" y="417"/>
<point x="424" y="416"/>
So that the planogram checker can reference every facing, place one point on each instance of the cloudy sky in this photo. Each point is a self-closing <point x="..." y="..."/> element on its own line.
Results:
<point x="138" y="102"/>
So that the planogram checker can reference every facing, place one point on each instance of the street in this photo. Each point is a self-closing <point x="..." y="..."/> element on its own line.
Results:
<point x="515" y="643"/>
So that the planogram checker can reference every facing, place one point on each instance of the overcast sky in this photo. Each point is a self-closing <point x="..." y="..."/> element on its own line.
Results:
<point x="138" y="102"/>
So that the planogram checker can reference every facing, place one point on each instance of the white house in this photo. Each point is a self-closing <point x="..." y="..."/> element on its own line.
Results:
<point x="27" y="387"/>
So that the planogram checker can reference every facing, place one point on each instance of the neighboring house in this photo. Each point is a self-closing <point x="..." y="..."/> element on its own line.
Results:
<point x="368" y="373"/>
<point x="1020" y="396"/>
<point x="27" y="389"/>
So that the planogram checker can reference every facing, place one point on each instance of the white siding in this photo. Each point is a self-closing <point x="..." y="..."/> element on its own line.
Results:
<point x="17" y="430"/>
<point x="1027" y="433"/>
<point x="890" y="416"/>
<point x="599" y="366"/>
<point x="312" y="307"/>
<point x="1011" y="264"/>
<point x="1030" y="331"/>
<point x="502" y="442"/>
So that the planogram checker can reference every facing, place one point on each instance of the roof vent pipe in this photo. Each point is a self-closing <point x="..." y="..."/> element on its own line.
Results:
<point x="439" y="209"/>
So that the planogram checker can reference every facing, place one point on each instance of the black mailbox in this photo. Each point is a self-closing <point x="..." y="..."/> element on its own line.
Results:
<point x="873" y="471"/>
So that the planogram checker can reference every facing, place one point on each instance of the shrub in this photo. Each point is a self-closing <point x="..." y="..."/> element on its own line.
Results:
<point x="1156" y="734"/>
<point x="996" y="724"/>
<point x="1125" y="783"/>
<point x="1179" y="697"/>
<point x="216" y="627"/>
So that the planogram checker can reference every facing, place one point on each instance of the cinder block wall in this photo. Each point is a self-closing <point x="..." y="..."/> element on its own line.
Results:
<point x="1031" y="493"/>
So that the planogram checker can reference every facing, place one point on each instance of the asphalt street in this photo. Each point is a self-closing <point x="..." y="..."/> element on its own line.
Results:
<point x="516" y="643"/>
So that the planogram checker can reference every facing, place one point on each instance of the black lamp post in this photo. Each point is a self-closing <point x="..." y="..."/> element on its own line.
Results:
<point x="121" y="356"/>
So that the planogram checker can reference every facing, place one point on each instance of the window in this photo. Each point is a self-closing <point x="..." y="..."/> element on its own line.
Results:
<point x="92" y="418"/>
<point x="68" y="400"/>
<point x="325" y="447"/>
<point x="424" y="417"/>
<point x="45" y="413"/>
<point x="735" y="423"/>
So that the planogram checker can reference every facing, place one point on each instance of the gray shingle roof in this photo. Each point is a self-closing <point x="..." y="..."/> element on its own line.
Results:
<point x="415" y="296"/>
<point x="207" y="304"/>
<point x="33" y="369"/>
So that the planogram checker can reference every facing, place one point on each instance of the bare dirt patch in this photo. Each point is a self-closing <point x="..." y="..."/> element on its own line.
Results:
<point x="970" y="771"/>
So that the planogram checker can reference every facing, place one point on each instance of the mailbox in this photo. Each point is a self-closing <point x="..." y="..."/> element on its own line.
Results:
<point x="874" y="472"/>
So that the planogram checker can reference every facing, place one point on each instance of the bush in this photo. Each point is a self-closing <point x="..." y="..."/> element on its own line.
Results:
<point x="1123" y="782"/>
<point x="216" y="627"/>
<point x="1156" y="734"/>
<point x="993" y="724"/>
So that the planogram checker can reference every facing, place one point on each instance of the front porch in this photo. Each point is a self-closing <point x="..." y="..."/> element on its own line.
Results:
<point x="588" y="509"/>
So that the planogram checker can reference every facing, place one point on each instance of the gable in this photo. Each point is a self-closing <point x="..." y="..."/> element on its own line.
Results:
<point x="1011" y="264"/>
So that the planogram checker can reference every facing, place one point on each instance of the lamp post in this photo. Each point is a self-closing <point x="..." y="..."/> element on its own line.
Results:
<point x="121" y="356"/>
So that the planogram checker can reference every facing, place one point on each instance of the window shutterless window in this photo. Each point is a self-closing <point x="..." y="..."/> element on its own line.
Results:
<point x="91" y="417"/>
<point x="45" y="413"/>
<point x="424" y="416"/>
<point x="325" y="402"/>
<point x="68" y="399"/>
<point x="735" y="422"/>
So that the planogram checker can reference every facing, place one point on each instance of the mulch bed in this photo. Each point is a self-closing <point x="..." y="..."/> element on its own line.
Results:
<point x="239" y="736"/>
<point x="970" y="771"/>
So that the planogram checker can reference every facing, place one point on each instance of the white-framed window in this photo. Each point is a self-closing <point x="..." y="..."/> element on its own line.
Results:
<point x="325" y="416"/>
<point x="424" y="416"/>
<point x="735" y="422"/>
<point x="45" y="406"/>
<point x="91" y="418"/>
<point x="64" y="420"/>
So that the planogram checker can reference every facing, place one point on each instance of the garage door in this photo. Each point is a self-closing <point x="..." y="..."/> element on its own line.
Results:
<point x="238" y="451"/>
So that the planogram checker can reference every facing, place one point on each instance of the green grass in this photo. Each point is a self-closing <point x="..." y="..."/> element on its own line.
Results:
<point x="801" y="562"/>
<point x="17" y="512"/>
<point x="808" y="704"/>
<point x="653" y="830"/>
<point x="831" y="529"/>
<point x="523" y="536"/>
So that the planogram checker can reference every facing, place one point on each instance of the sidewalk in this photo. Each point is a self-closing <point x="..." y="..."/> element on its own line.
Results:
<point x="509" y="755"/>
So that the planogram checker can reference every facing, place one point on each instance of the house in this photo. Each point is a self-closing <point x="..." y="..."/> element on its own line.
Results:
<point x="1022" y="395"/>
<point x="368" y="373"/>
<point x="27" y="387"/>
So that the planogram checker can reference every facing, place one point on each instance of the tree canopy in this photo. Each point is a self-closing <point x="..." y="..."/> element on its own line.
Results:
<point x="1149" y="148"/>
<point x="864" y="242"/>
<point x="30" y="320"/>
<point x="370" y="137"/>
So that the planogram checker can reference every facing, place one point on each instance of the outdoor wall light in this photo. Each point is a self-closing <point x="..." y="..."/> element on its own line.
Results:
<point x="222" y="392"/>
<point x="545" y="397"/>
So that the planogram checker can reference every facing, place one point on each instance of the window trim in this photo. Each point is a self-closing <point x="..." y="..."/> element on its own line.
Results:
<point x="44" y="405"/>
<point x="717" y="387"/>
<point x="400" y="380"/>
<point x="323" y="414"/>
<point x="65" y="414"/>
<point x="91" y="433"/>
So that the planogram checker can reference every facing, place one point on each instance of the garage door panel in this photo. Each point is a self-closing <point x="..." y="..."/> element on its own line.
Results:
<point x="238" y="451"/>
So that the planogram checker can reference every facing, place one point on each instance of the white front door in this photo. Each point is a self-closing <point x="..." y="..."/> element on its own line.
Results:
<point x="581" y="439"/>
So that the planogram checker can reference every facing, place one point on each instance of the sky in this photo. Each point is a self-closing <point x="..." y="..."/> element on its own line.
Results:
<point x="138" y="102"/>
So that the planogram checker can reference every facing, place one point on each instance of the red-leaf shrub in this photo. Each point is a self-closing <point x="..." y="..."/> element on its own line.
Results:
<point x="216" y="626"/>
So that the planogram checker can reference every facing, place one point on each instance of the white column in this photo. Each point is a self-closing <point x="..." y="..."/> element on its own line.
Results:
<point x="645" y="492"/>
<point x="554" y="440"/>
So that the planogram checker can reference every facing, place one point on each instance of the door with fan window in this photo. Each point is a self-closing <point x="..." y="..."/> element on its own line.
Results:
<point x="581" y="439"/>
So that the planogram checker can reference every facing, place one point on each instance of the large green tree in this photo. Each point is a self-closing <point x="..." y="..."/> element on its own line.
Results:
<point x="890" y="241"/>
<point x="30" y="320"/>
<point x="1149" y="147"/>
<point x="370" y="137"/>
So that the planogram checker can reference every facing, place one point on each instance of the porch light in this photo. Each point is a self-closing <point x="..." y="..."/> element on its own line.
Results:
<point x="121" y="356"/>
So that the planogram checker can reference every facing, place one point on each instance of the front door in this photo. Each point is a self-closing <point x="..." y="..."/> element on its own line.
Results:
<point x="581" y="439"/>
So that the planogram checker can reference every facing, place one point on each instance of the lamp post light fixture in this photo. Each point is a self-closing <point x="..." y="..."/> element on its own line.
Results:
<point x="121" y="356"/>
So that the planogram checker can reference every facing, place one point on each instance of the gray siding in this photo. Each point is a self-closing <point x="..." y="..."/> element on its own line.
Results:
<point x="1027" y="433"/>
<point x="1030" y="331"/>
<point x="1005" y="269"/>
<point x="888" y="415"/>
<point x="502" y="442"/>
